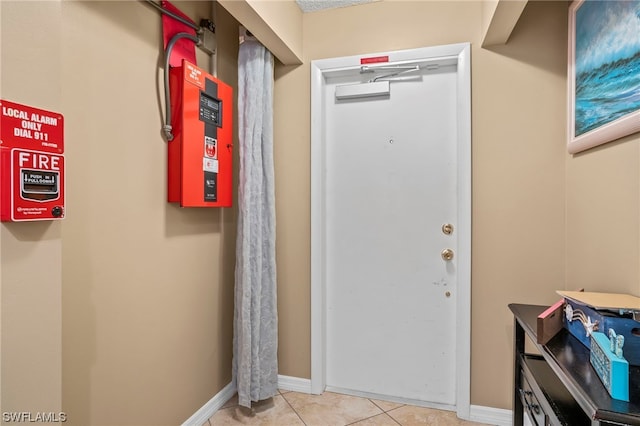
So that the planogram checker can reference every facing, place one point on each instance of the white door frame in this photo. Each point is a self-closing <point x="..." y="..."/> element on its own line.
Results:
<point x="320" y="69"/>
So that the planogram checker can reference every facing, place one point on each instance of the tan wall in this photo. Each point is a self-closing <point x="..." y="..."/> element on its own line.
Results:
<point x="519" y="189"/>
<point x="30" y="270"/>
<point x="518" y="103"/>
<point x="284" y="17"/>
<point x="603" y="218"/>
<point x="146" y="287"/>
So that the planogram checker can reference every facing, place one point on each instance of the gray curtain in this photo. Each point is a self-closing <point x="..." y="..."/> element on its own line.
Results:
<point x="255" y="325"/>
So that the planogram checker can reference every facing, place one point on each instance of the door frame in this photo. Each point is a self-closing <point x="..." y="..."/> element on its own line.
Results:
<point x="320" y="69"/>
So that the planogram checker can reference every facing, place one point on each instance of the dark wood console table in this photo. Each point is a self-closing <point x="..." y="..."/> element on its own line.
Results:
<point x="559" y="387"/>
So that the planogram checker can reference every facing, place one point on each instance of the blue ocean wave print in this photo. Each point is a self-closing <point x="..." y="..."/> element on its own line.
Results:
<point x="607" y="62"/>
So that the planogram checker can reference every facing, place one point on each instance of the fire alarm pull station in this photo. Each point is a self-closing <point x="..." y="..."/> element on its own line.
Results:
<point x="31" y="163"/>
<point x="200" y="155"/>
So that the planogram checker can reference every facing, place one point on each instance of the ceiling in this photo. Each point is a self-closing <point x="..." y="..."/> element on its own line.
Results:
<point x="315" y="5"/>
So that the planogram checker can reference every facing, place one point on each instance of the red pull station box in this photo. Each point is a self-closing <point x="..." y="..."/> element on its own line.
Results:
<point x="31" y="163"/>
<point x="200" y="154"/>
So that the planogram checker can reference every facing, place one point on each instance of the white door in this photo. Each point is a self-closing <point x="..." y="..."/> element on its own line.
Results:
<point x="391" y="182"/>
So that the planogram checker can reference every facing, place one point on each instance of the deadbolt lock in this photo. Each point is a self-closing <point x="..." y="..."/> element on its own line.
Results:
<point x="447" y="229"/>
<point x="447" y="254"/>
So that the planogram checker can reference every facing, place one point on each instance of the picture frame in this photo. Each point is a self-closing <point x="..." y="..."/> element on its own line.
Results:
<point x="603" y="72"/>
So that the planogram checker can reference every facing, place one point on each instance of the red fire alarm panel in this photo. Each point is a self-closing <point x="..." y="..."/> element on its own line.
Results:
<point x="200" y="154"/>
<point x="31" y="163"/>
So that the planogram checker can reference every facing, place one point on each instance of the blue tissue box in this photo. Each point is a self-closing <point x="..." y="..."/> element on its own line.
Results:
<point x="580" y="320"/>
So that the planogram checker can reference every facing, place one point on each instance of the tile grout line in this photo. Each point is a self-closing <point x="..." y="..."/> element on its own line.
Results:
<point x="393" y="418"/>
<point x="353" y="423"/>
<point x="383" y="410"/>
<point x="294" y="410"/>
<point x="367" y="418"/>
<point x="375" y="415"/>
<point x="371" y="401"/>
<point x="387" y="411"/>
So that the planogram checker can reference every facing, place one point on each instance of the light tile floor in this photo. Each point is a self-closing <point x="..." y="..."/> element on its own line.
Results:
<point x="330" y="409"/>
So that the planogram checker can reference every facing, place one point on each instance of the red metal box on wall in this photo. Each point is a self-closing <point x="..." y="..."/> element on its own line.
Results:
<point x="31" y="163"/>
<point x="200" y="154"/>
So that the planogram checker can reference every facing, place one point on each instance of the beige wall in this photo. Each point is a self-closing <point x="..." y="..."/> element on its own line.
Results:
<point x="122" y="313"/>
<point x="30" y="270"/>
<point x="145" y="288"/>
<point x="277" y="24"/>
<point x="518" y="113"/>
<point x="603" y="218"/>
<point x="518" y="243"/>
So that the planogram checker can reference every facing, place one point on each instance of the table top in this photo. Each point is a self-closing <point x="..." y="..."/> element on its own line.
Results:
<point x="569" y="359"/>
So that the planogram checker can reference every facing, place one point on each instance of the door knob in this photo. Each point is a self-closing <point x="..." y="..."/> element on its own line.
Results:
<point x="447" y="254"/>
<point x="447" y="229"/>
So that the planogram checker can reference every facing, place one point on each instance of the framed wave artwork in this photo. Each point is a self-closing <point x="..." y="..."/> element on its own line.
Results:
<point x="603" y="72"/>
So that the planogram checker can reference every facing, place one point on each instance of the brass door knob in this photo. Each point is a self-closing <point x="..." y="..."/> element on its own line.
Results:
<point x="447" y="229"/>
<point x="447" y="254"/>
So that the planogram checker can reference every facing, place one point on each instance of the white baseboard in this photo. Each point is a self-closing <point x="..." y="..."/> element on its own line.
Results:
<point x="214" y="404"/>
<point x="491" y="416"/>
<point x="477" y="413"/>
<point x="399" y="400"/>
<point x="210" y="408"/>
<point x="294" y="384"/>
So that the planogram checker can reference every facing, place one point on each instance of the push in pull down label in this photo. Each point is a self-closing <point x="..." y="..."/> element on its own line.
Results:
<point x="38" y="185"/>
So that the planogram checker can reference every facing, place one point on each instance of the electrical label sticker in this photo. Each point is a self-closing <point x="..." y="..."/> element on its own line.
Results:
<point x="210" y="147"/>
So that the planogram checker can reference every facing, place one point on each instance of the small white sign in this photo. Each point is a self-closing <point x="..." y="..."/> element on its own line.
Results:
<point x="209" y="165"/>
